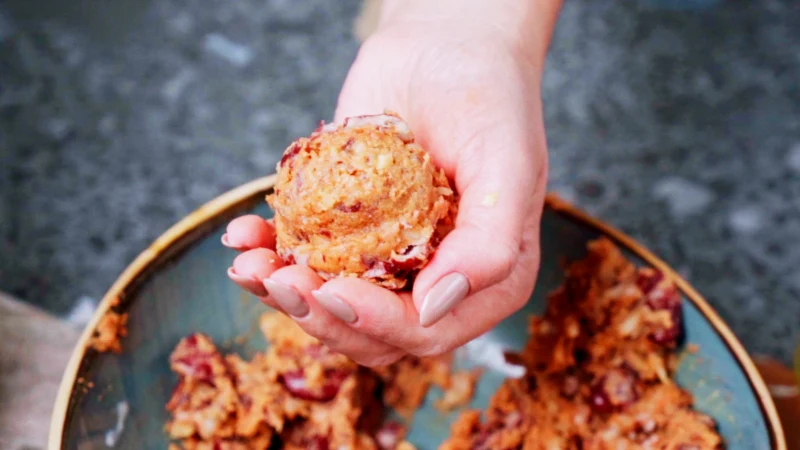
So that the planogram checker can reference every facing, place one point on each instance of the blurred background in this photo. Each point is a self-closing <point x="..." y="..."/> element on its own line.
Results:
<point x="117" y="118"/>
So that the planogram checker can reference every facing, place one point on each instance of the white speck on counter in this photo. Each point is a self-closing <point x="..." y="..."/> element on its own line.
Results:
<point x="746" y="220"/>
<point x="683" y="197"/>
<point x="237" y="54"/>
<point x="485" y="351"/>
<point x="174" y="87"/>
<point x="82" y="312"/>
<point x="112" y="436"/>
<point x="793" y="158"/>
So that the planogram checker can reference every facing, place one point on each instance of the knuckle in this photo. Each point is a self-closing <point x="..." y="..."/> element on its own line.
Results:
<point x="326" y="334"/>
<point x="503" y="259"/>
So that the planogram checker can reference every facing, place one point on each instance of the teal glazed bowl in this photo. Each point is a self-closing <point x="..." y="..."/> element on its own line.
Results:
<point x="179" y="286"/>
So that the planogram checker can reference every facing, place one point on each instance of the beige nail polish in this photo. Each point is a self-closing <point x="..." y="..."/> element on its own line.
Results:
<point x="443" y="297"/>
<point x="287" y="297"/>
<point x="251" y="285"/>
<point x="335" y="306"/>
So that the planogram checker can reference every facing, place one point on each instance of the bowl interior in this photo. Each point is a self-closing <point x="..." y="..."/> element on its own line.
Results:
<point x="192" y="293"/>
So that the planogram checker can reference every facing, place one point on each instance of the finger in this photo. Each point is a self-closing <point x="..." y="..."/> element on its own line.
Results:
<point x="384" y="315"/>
<point x="392" y="318"/>
<point x="496" y="197"/>
<point x="292" y="286"/>
<point x="250" y="268"/>
<point x="249" y="232"/>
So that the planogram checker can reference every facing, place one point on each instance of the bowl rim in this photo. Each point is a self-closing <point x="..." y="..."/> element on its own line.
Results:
<point x="196" y="224"/>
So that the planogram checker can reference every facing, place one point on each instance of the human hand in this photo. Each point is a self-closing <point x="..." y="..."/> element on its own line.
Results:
<point x="466" y="76"/>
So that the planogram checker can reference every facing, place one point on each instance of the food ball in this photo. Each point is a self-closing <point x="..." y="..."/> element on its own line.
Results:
<point x="361" y="199"/>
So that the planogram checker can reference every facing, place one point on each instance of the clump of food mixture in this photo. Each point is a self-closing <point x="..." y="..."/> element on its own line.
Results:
<point x="113" y="326"/>
<point x="361" y="199"/>
<point x="297" y="395"/>
<point x="599" y="366"/>
<point x="598" y="377"/>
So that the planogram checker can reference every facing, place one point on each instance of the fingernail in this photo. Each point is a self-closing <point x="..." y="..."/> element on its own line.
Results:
<point x="228" y="243"/>
<point x="335" y="306"/>
<point x="288" y="298"/>
<point x="442" y="298"/>
<point x="251" y="285"/>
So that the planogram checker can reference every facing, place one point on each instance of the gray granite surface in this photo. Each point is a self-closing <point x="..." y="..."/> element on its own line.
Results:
<point x="119" y="117"/>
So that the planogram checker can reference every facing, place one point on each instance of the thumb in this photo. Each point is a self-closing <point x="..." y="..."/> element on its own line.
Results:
<point x="498" y="174"/>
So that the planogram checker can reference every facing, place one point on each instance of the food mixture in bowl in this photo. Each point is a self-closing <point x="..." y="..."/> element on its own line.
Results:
<point x="361" y="199"/>
<point x="299" y="395"/>
<point x="599" y="365"/>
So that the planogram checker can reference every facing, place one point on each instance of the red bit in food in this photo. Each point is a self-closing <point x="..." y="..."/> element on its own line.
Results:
<point x="295" y="382"/>
<point x="662" y="295"/>
<point x="615" y="390"/>
<point x="318" y="443"/>
<point x="290" y="153"/>
<point x="398" y="266"/>
<point x="647" y="279"/>
<point x="196" y="359"/>
<point x="354" y="208"/>
<point x="389" y="435"/>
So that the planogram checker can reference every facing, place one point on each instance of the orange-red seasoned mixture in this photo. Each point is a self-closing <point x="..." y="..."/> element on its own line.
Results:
<point x="296" y="395"/>
<point x="599" y="364"/>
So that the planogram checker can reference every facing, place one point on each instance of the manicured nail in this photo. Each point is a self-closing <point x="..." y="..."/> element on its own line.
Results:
<point x="251" y="285"/>
<point x="335" y="306"/>
<point x="442" y="298"/>
<point x="290" y="300"/>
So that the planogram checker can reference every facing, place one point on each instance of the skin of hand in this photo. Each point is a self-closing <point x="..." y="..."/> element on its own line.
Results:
<point x="466" y="75"/>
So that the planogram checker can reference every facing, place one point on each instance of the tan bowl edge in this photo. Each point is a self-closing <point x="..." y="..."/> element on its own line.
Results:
<point x="187" y="230"/>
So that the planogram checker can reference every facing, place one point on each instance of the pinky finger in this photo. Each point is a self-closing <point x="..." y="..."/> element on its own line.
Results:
<point x="249" y="232"/>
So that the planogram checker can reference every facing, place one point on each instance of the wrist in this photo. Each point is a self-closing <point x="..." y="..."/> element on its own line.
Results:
<point x="525" y="25"/>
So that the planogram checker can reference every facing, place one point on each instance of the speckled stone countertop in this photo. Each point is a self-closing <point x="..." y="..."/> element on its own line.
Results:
<point x="118" y="118"/>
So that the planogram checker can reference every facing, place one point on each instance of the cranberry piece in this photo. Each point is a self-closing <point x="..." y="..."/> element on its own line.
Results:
<point x="613" y="391"/>
<point x="570" y="386"/>
<point x="647" y="279"/>
<point x="355" y="207"/>
<point x="194" y="366"/>
<point x="394" y="266"/>
<point x="662" y="296"/>
<point x="246" y="401"/>
<point x="295" y="382"/>
<point x="289" y="154"/>
<point x="318" y="443"/>
<point x="512" y="420"/>
<point x="389" y="435"/>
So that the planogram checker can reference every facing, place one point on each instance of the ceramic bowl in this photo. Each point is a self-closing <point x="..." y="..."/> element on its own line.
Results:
<point x="178" y="286"/>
